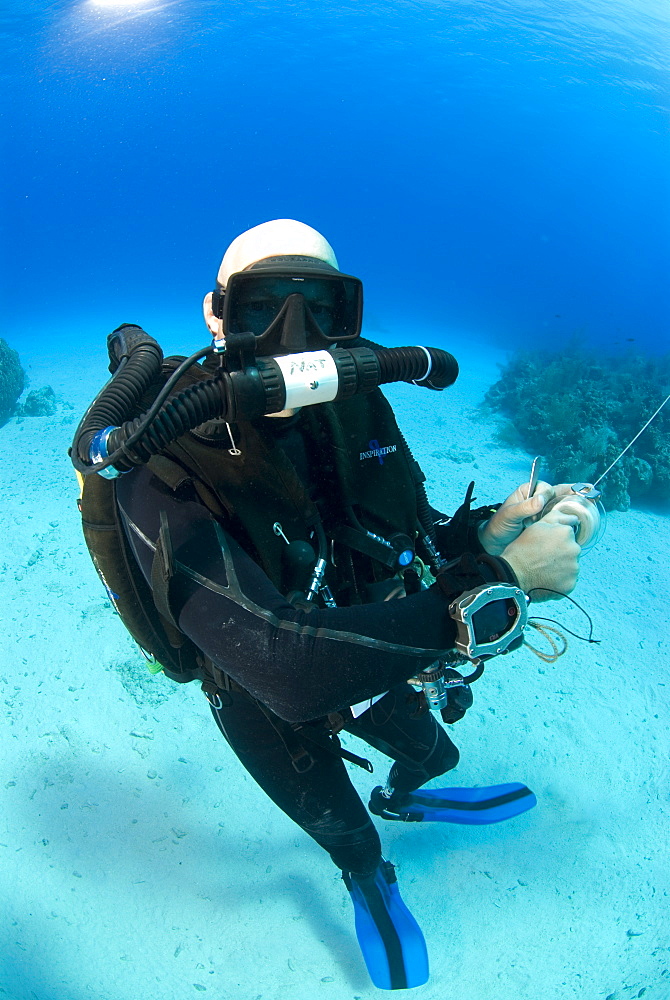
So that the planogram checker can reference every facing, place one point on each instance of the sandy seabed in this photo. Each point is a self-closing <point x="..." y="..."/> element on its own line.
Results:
<point x="139" y="861"/>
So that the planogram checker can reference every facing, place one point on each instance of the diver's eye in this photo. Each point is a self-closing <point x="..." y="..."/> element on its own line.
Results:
<point x="323" y="316"/>
<point x="256" y="315"/>
<point x="319" y="309"/>
<point x="264" y="302"/>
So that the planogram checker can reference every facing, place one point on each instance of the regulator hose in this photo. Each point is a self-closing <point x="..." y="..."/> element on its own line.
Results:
<point x="110" y="436"/>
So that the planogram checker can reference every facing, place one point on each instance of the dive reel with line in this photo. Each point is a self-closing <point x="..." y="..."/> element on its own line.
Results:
<point x="445" y="690"/>
<point x="582" y="502"/>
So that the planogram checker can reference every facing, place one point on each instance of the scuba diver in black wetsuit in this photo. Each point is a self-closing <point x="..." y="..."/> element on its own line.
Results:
<point x="271" y="518"/>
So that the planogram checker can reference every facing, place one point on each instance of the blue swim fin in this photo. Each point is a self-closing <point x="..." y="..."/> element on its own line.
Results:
<point x="393" y="946"/>
<point x="474" y="806"/>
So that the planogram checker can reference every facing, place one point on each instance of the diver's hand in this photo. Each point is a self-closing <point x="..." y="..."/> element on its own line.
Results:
<point x="546" y="555"/>
<point x="509" y="520"/>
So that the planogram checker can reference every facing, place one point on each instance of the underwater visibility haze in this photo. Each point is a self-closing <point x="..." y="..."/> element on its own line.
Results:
<point x="496" y="174"/>
<point x="497" y="168"/>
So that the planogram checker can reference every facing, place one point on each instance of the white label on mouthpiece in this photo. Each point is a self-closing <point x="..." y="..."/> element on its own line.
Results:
<point x="309" y="378"/>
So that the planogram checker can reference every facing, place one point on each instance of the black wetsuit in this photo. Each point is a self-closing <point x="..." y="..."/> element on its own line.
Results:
<point x="289" y="666"/>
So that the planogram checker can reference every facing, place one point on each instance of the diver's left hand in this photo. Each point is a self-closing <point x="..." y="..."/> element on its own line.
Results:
<point x="516" y="514"/>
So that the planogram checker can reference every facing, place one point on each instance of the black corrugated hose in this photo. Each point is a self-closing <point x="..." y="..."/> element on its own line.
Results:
<point x="136" y="360"/>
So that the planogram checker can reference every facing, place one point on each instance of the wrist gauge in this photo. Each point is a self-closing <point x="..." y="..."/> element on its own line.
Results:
<point x="489" y="620"/>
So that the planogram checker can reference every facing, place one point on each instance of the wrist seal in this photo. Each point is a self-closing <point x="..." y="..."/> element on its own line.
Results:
<point x="486" y="603"/>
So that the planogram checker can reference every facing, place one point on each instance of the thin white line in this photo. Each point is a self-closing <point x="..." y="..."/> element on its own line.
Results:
<point x="633" y="441"/>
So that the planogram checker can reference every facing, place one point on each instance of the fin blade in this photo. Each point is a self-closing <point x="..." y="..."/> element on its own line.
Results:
<point x="471" y="806"/>
<point x="390" y="939"/>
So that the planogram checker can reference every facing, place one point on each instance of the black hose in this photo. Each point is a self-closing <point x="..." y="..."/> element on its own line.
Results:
<point x="411" y="364"/>
<point x="137" y="362"/>
<point x="182" y="412"/>
<point x="231" y="396"/>
<point x="423" y="508"/>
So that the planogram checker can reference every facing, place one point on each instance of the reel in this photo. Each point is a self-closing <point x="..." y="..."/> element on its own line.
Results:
<point x="585" y="503"/>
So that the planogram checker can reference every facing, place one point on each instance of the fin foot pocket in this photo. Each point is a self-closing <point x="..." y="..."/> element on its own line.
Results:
<point x="471" y="806"/>
<point x="391" y="941"/>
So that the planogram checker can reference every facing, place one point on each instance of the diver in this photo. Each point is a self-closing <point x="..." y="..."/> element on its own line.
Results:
<point x="288" y="548"/>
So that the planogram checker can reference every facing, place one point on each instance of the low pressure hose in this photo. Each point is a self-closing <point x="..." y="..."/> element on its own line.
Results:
<point x="108" y="444"/>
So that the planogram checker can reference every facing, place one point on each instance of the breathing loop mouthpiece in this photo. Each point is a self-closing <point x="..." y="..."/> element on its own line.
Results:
<point x="244" y="386"/>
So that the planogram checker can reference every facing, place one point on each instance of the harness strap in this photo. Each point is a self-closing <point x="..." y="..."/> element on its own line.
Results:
<point x="331" y="743"/>
<point x="168" y="472"/>
<point x="355" y="539"/>
<point x="214" y="679"/>
<point x="324" y="421"/>
<point x="162" y="572"/>
<point x="301" y="758"/>
<point x="176" y="476"/>
<point x="292" y="735"/>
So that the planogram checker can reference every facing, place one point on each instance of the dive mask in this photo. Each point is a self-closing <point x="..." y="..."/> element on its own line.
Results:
<point x="291" y="309"/>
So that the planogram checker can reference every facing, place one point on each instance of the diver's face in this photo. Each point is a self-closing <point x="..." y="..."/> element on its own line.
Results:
<point x="265" y="300"/>
<point x="262" y="306"/>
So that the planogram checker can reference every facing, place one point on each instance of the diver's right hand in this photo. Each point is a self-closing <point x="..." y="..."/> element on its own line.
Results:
<point x="546" y="555"/>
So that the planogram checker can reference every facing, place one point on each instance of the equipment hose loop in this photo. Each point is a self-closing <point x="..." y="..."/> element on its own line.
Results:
<point x="243" y="394"/>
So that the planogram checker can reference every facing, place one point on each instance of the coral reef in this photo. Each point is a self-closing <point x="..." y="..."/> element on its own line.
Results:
<point x="39" y="403"/>
<point x="579" y="411"/>
<point x="12" y="380"/>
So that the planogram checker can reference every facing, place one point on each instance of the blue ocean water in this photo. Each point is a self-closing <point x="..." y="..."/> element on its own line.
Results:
<point x="498" y="168"/>
<point x="494" y="171"/>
